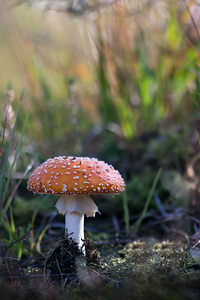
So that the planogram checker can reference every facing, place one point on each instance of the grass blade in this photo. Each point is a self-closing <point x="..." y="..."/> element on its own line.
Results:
<point x="142" y="216"/>
<point x="8" y="150"/>
<point x="15" y="157"/>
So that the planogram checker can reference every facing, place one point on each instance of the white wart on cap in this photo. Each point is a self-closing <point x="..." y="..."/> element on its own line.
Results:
<point x="75" y="175"/>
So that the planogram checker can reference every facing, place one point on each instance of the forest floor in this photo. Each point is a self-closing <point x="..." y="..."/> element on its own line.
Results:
<point x="115" y="269"/>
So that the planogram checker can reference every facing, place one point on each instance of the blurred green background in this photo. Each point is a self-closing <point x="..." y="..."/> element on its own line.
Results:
<point x="118" y="82"/>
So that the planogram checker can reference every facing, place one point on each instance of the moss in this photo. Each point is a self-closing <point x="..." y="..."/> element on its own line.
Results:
<point x="144" y="269"/>
<point x="144" y="259"/>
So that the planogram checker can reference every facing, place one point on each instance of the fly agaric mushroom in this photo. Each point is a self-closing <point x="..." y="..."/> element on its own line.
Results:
<point x="75" y="179"/>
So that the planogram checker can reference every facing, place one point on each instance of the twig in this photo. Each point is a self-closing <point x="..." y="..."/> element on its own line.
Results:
<point x="192" y="19"/>
<point x="116" y="224"/>
<point x="75" y="7"/>
<point x="159" y="205"/>
<point x="14" y="191"/>
<point x="60" y="271"/>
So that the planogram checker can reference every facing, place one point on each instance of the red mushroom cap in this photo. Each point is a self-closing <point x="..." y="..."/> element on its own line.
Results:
<point x="75" y="175"/>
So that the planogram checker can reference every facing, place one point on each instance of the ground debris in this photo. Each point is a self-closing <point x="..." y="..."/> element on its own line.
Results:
<point x="61" y="262"/>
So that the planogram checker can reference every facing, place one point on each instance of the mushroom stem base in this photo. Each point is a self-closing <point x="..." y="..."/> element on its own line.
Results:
<point x="74" y="227"/>
<point x="74" y="207"/>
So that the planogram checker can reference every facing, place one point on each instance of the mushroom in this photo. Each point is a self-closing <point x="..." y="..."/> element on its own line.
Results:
<point x="74" y="179"/>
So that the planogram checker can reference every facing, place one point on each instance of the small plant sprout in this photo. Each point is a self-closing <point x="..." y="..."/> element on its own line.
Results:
<point x="75" y="179"/>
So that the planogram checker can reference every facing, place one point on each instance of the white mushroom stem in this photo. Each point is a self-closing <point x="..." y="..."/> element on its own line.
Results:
<point x="74" y="207"/>
<point x="74" y="226"/>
